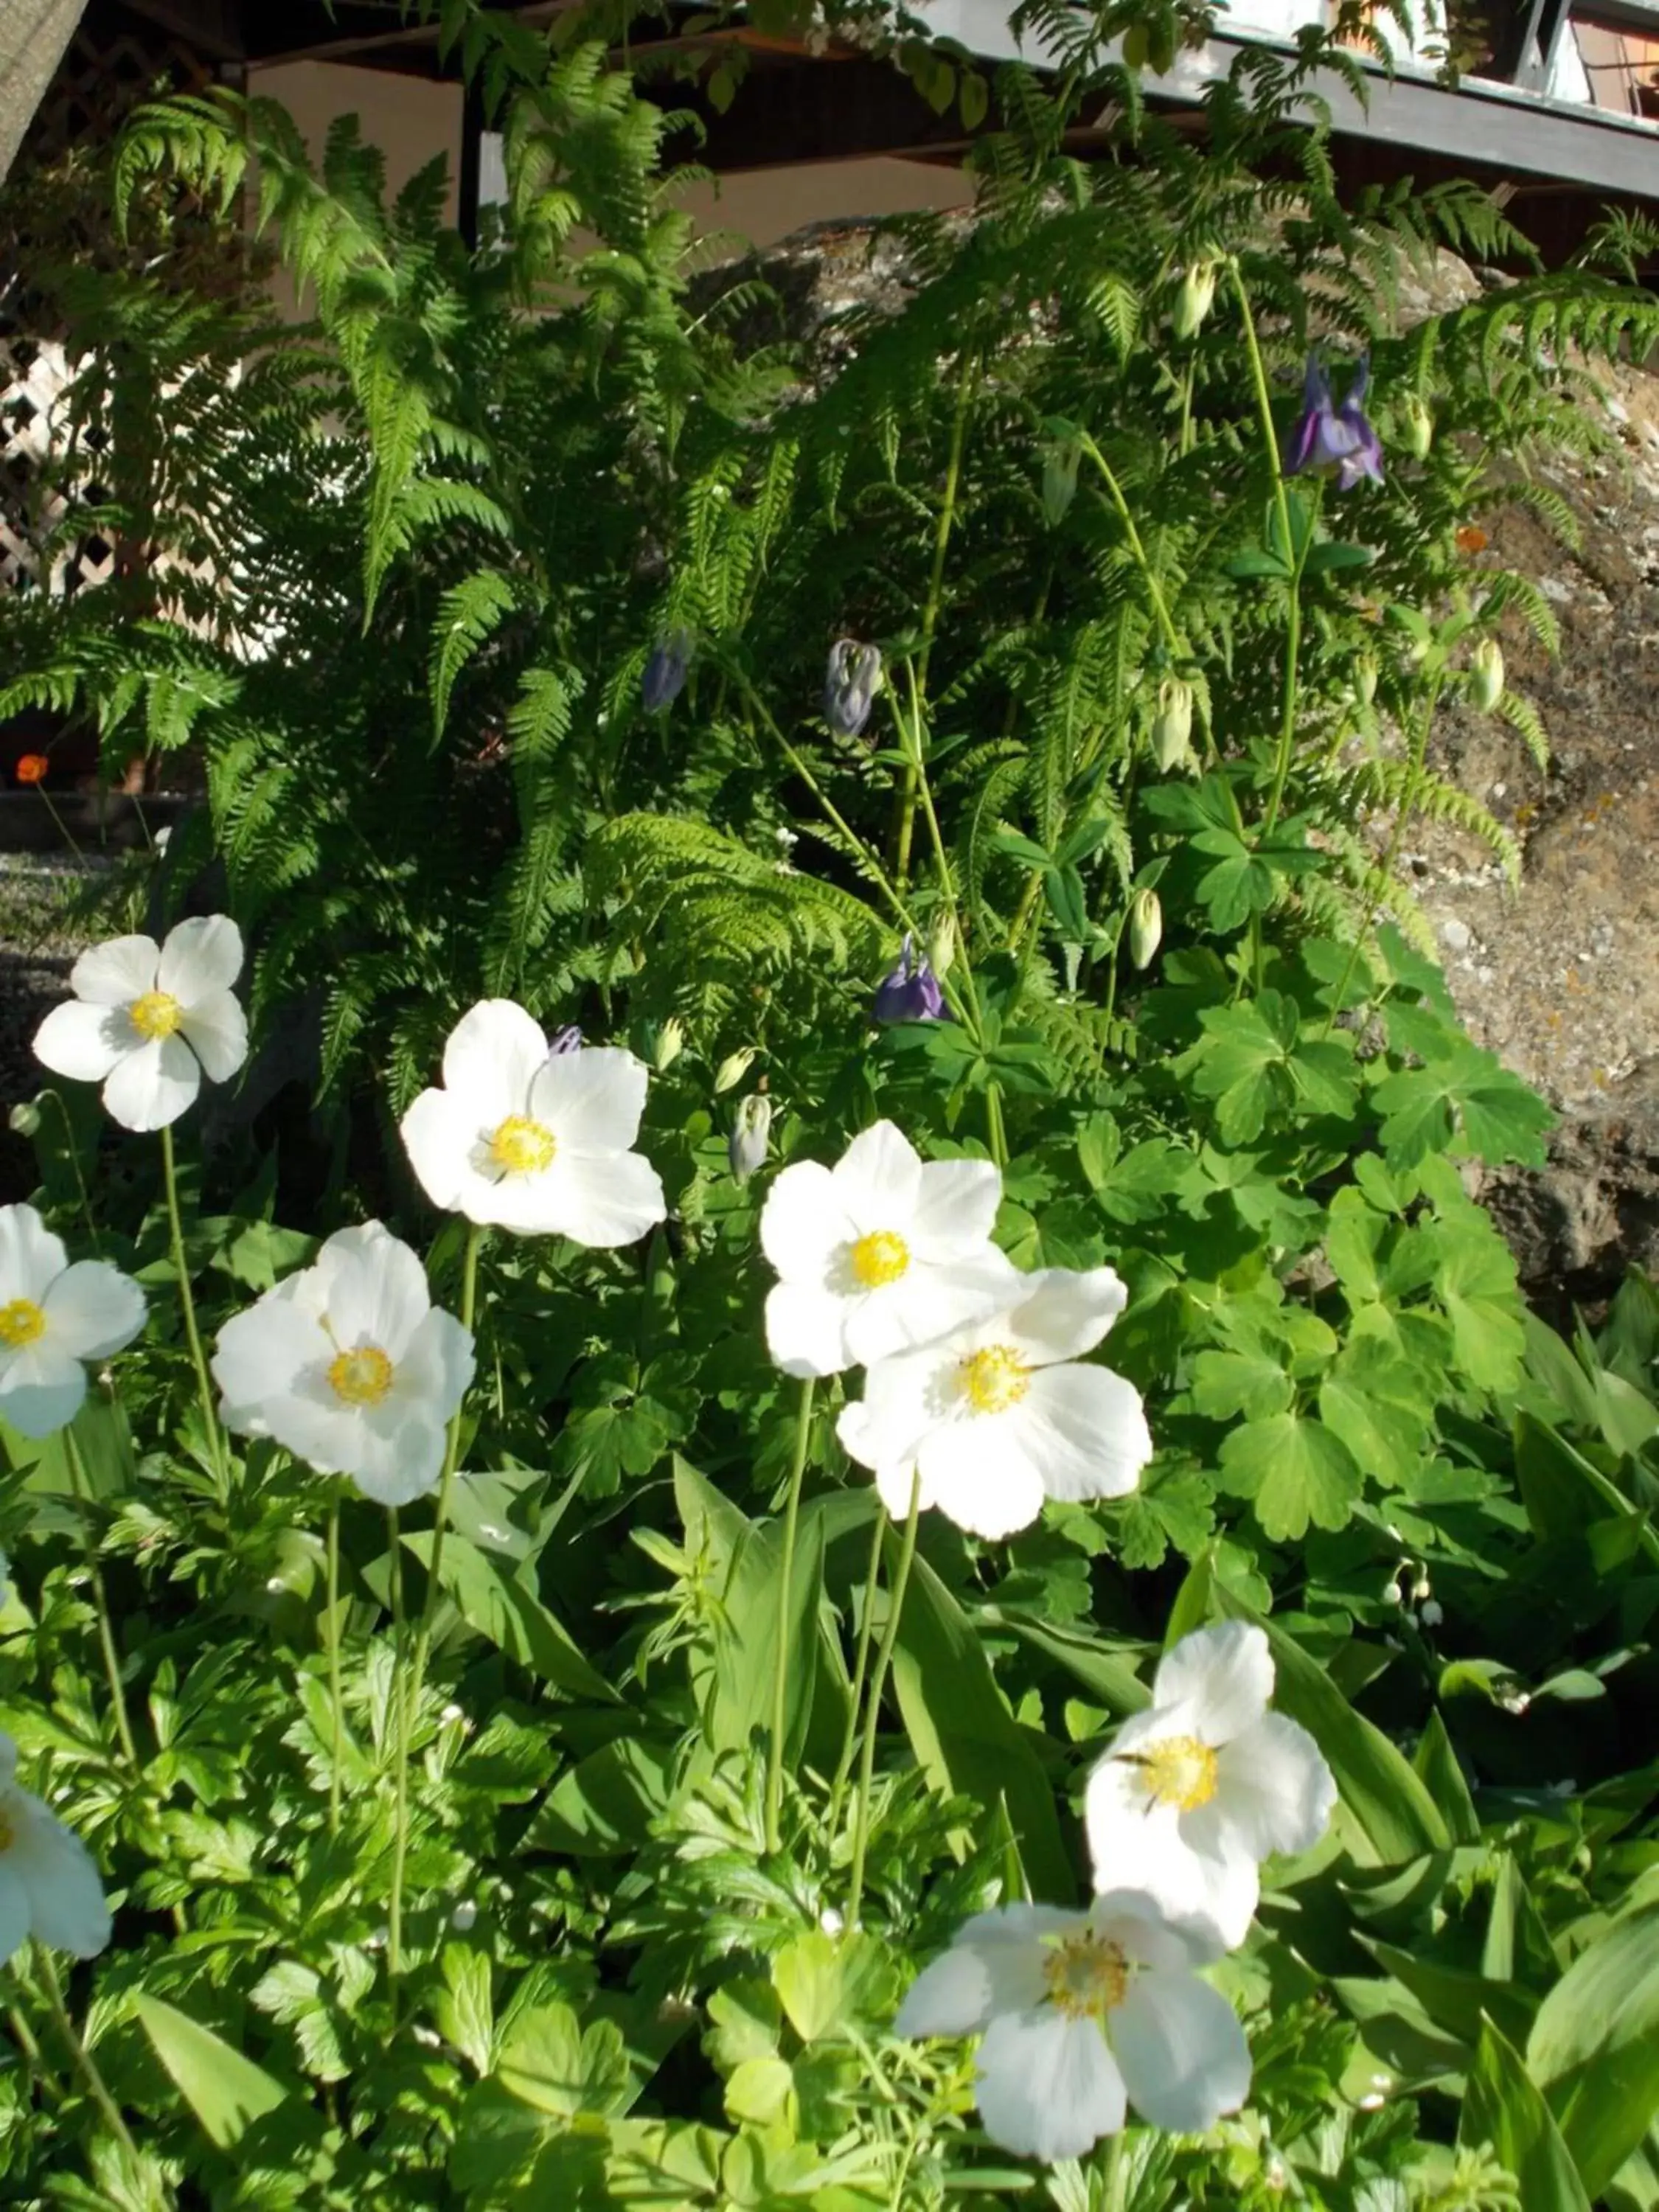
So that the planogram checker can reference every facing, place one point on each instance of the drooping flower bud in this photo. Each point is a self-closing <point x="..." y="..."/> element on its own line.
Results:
<point x="732" y="1069"/>
<point x="911" y="993"/>
<point x="1145" y="928"/>
<point x="942" y="945"/>
<point x="1059" y="467"/>
<point x="568" y="1039"/>
<point x="1487" y="675"/>
<point x="1365" y="673"/>
<point x="1194" y="300"/>
<point x="850" y="684"/>
<point x="24" y="1119"/>
<point x="1418" y="426"/>
<point x="746" y="1147"/>
<point x="1172" y="725"/>
<point x="665" y="671"/>
<point x="671" y="1043"/>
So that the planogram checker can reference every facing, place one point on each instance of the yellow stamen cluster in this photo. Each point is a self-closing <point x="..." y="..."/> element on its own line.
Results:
<point x="21" y="1323"/>
<point x="880" y="1258"/>
<point x="1086" y="1976"/>
<point x="1179" y="1772"/>
<point x="521" y="1146"/>
<point x="994" y="1379"/>
<point x="361" y="1377"/>
<point x="157" y="1014"/>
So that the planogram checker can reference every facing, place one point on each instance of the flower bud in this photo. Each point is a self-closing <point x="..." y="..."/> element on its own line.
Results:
<point x="1059" y="467"/>
<point x="942" y="945"/>
<point x="911" y="993"/>
<point x="1418" y="426"/>
<point x="671" y="1043"/>
<point x="850" y="684"/>
<point x="1172" y="725"/>
<point x="1194" y="300"/>
<point x="24" y="1119"/>
<point x="732" y="1069"/>
<point x="1431" y="1615"/>
<point x="746" y="1146"/>
<point x="1145" y="928"/>
<point x="1487" y="675"/>
<point x="1365" y="672"/>
<point x="665" y="671"/>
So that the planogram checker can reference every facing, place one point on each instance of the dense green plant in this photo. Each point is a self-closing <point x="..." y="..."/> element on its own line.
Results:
<point x="422" y="553"/>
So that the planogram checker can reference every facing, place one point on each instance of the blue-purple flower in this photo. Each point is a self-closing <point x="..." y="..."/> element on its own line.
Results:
<point x="665" y="671"/>
<point x="1327" y="437"/>
<point x="912" y="993"/>
<point x="850" y="684"/>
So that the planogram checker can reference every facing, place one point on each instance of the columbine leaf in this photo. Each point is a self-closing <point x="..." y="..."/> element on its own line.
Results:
<point x="1294" y="1470"/>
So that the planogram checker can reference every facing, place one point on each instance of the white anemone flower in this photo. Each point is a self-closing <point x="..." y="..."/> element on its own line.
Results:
<point x="532" y="1139"/>
<point x="878" y="1254"/>
<point x="1198" y="1789"/>
<point x="49" y="1885"/>
<point x="349" y="1366"/>
<point x="53" y="1318"/>
<point x="1082" y="2015"/>
<point x="148" y="1021"/>
<point x="995" y="1416"/>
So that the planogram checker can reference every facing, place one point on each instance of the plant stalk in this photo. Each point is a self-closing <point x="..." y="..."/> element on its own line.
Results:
<point x="192" y="1334"/>
<point x="85" y="2064"/>
<point x="860" y="1670"/>
<point x="78" y="1483"/>
<point x="336" y="1690"/>
<point x="872" y="1710"/>
<point x="786" y="1585"/>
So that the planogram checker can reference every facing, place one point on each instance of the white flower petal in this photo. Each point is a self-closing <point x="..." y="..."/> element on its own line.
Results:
<point x="201" y="959"/>
<point x="1273" y="1790"/>
<point x="1136" y="1843"/>
<point x="31" y="1257"/>
<point x="1046" y="2085"/>
<point x="1064" y="1312"/>
<point x="804" y="1330"/>
<point x="591" y="1100"/>
<point x="969" y="1471"/>
<point x="437" y="1366"/>
<point x="804" y="1225"/>
<point x="82" y="1041"/>
<point x="899" y="1410"/>
<point x="15" y="1911"/>
<point x="1088" y="1431"/>
<point x="93" y="1310"/>
<point x="116" y="973"/>
<point x="394" y="1467"/>
<point x="1183" y="2054"/>
<point x="601" y="1199"/>
<point x="439" y="1132"/>
<point x="994" y="1964"/>
<point x="878" y="1180"/>
<point x="65" y="1892"/>
<point x="152" y="1087"/>
<point x="895" y="1482"/>
<point x="1147" y="1935"/>
<point x="1226" y="1671"/>
<point x="377" y="1289"/>
<point x="956" y="1207"/>
<point x="260" y="1355"/>
<point x="41" y="1389"/>
<point x="492" y="1055"/>
<point x="927" y="1303"/>
<point x="215" y="1029"/>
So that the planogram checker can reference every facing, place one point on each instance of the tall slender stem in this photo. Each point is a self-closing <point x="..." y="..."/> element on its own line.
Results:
<point x="786" y="1585"/>
<point x="872" y="1710"/>
<point x="860" y="1669"/>
<point x="86" y="2065"/>
<point x="1281" y="500"/>
<point x="78" y="1483"/>
<point x="336" y="1691"/>
<point x="187" y="1306"/>
<point x="475" y="1237"/>
<point x="394" y="1947"/>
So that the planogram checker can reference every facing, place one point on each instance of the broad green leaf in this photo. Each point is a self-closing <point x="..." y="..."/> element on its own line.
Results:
<point x="1375" y="1400"/>
<point x="548" y="2061"/>
<point x="1234" y="1385"/>
<point x="1503" y="2108"/>
<point x="1436" y="1762"/>
<point x="465" y="2009"/>
<point x="966" y="1740"/>
<point x="1294" y="1470"/>
<point x="828" y="1985"/>
<point x="223" y="2089"/>
<point x="510" y="1615"/>
<point x="1595" y="2046"/>
<point x="1475" y="1283"/>
<point x="605" y="1806"/>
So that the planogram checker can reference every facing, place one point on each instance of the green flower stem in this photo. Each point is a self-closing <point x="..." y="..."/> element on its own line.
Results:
<point x="394" y="1947"/>
<point x="860" y="1670"/>
<point x="786" y="1583"/>
<point x="872" y="1709"/>
<point x="187" y="1306"/>
<point x="86" y="2065"/>
<point x="998" y="1134"/>
<point x="336" y="1691"/>
<point x="1281" y="499"/>
<point x="78" y="1483"/>
<point x="411" y="1677"/>
<point x="24" y="2037"/>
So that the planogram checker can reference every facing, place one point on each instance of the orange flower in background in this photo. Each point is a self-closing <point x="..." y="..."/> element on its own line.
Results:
<point x="1472" y="539"/>
<point x="34" y="768"/>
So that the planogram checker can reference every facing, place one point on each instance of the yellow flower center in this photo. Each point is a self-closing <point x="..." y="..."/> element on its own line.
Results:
<point x="880" y="1258"/>
<point x="20" y="1323"/>
<point x="361" y="1377"/>
<point x="1086" y="1975"/>
<point x="157" y="1014"/>
<point x="995" y="1379"/>
<point x="521" y="1146"/>
<point x="1179" y="1772"/>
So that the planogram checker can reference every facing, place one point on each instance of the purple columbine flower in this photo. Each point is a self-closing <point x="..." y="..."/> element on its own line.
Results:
<point x="1327" y="436"/>
<point x="911" y="992"/>
<point x="665" y="671"/>
<point x="568" y="1039"/>
<point x="850" y="684"/>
